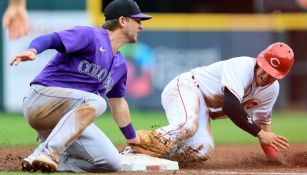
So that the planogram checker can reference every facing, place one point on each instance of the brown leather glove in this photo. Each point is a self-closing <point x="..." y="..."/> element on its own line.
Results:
<point x="153" y="144"/>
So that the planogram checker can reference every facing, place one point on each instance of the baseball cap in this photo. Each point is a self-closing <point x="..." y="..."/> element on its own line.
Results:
<point x="126" y="8"/>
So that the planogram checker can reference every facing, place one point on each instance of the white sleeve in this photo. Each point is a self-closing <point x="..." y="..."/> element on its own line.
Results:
<point x="262" y="113"/>
<point x="236" y="76"/>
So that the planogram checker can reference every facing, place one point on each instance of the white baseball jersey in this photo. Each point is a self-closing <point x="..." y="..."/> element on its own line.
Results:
<point x="237" y="74"/>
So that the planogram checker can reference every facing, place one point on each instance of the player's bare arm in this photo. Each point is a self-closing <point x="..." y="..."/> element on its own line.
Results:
<point x="265" y="127"/>
<point x="120" y="112"/>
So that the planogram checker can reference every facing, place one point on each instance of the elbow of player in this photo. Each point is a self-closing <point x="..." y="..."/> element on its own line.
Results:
<point x="227" y="109"/>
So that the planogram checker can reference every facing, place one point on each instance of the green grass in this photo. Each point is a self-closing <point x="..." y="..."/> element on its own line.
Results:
<point x="14" y="129"/>
<point x="292" y="125"/>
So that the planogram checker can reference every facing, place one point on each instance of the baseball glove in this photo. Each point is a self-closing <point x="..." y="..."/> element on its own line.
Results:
<point x="153" y="144"/>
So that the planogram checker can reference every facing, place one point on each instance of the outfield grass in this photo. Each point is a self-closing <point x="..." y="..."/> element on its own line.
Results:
<point x="14" y="130"/>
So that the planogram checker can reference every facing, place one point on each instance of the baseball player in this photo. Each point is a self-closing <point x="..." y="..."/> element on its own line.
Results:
<point x="243" y="89"/>
<point x="67" y="96"/>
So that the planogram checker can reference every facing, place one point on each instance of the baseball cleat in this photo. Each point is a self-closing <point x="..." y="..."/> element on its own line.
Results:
<point x="26" y="165"/>
<point x="45" y="164"/>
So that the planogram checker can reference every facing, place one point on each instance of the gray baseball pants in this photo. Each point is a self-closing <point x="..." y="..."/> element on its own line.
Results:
<point x="64" y="118"/>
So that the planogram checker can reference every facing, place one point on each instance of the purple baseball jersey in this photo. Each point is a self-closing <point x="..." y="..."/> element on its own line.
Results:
<point x="88" y="64"/>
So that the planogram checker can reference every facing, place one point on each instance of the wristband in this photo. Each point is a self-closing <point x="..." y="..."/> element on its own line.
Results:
<point x="128" y="131"/>
<point x="33" y="50"/>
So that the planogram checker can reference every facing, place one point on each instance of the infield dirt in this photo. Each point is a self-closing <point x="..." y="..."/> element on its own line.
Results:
<point x="226" y="159"/>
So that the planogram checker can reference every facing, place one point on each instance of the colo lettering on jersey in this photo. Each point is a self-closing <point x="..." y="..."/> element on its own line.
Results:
<point x="92" y="70"/>
<point x="108" y="83"/>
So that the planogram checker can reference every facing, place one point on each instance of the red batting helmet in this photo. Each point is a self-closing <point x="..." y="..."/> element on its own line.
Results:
<point x="276" y="60"/>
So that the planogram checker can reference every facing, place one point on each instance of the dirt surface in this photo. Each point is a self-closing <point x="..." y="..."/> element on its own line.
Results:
<point x="226" y="159"/>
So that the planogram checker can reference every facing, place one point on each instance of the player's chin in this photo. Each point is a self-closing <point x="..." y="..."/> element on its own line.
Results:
<point x="262" y="83"/>
<point x="133" y="40"/>
<point x="265" y="84"/>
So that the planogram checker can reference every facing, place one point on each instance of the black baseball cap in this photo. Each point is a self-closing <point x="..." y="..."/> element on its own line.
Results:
<point x="126" y="8"/>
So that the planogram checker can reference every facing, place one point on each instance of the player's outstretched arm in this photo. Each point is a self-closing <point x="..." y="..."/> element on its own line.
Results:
<point x="120" y="112"/>
<point x="37" y="46"/>
<point x="15" y="19"/>
<point x="28" y="55"/>
<point x="233" y="109"/>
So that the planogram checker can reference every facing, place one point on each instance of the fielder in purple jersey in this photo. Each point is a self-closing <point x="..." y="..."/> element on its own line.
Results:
<point x="94" y="69"/>
<point x="67" y="96"/>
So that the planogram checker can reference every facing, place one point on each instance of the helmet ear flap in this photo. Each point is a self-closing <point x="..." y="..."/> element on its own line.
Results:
<point x="276" y="60"/>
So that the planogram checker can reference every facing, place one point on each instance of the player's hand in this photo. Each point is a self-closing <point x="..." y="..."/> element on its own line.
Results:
<point x="15" y="19"/>
<point x="28" y="55"/>
<point x="136" y="140"/>
<point x="269" y="138"/>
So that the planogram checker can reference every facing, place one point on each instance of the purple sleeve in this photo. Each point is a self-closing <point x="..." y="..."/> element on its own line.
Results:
<point x="44" y="42"/>
<point x="78" y="39"/>
<point x="119" y="89"/>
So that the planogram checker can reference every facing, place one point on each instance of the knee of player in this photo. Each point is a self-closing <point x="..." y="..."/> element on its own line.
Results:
<point x="101" y="106"/>
<point x="93" y="108"/>
<point x="109" y="167"/>
<point x="98" y="104"/>
<point x="205" y="152"/>
<point x="110" y="164"/>
<point x="190" y="128"/>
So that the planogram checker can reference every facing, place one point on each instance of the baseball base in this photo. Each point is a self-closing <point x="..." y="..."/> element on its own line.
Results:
<point x="132" y="161"/>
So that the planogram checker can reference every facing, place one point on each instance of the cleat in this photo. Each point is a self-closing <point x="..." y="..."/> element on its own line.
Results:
<point x="45" y="164"/>
<point x="26" y="165"/>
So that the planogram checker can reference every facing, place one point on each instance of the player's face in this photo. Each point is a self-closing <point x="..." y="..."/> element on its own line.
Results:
<point x="263" y="78"/>
<point x="134" y="26"/>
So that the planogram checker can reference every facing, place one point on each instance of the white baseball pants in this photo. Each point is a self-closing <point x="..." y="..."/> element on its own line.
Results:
<point x="188" y="116"/>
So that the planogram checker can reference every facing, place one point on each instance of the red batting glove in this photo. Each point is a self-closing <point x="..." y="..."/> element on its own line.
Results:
<point x="269" y="151"/>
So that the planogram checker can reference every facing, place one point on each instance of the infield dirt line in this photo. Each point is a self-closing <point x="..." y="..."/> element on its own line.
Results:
<point x="253" y="173"/>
